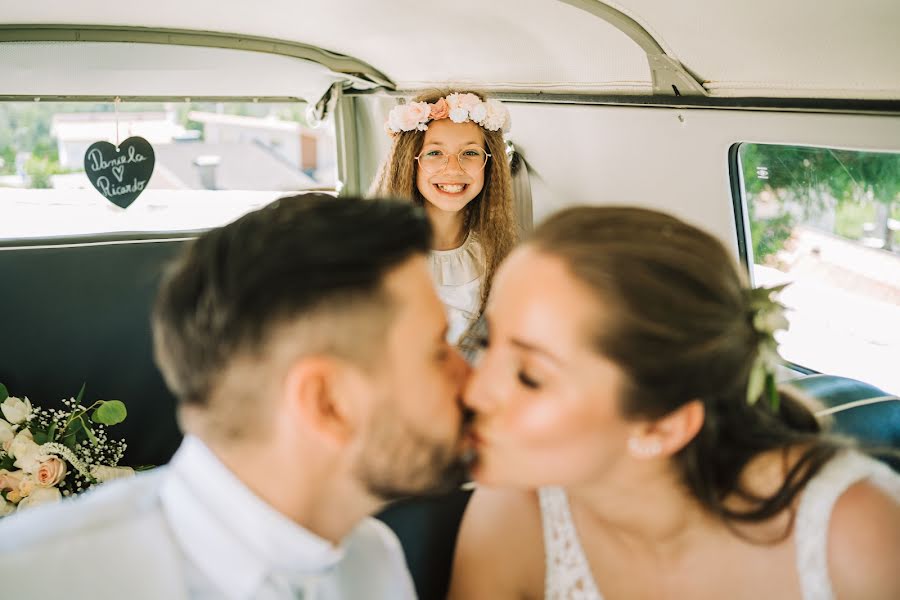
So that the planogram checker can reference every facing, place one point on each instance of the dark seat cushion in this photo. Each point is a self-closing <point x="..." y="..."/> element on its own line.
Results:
<point x="427" y="529"/>
<point x="876" y="425"/>
<point x="81" y="314"/>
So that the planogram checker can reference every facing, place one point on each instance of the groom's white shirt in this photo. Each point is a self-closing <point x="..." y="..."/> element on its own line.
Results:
<point x="190" y="530"/>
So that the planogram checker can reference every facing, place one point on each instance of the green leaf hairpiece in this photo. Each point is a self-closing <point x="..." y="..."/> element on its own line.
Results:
<point x="767" y="316"/>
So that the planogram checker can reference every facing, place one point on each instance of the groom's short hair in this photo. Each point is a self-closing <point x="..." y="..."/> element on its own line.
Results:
<point x="305" y="273"/>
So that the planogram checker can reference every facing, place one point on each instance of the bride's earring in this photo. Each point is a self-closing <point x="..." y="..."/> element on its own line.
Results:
<point x="644" y="448"/>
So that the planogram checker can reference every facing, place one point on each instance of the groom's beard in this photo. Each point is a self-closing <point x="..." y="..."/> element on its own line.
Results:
<point x="399" y="462"/>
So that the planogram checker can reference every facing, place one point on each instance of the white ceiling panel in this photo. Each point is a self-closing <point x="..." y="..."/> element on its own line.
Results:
<point x="798" y="48"/>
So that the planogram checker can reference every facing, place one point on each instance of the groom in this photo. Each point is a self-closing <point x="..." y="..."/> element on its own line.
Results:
<point x="306" y="346"/>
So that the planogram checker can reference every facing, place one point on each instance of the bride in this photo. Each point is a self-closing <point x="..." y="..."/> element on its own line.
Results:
<point x="632" y="443"/>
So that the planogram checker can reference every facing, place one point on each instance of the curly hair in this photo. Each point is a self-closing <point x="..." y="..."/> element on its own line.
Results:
<point x="489" y="215"/>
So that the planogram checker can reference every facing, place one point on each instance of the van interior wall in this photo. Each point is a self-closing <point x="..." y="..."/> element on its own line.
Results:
<point x="671" y="159"/>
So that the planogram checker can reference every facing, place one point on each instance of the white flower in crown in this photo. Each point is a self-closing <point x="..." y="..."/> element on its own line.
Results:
<point x="497" y="116"/>
<point x="459" y="115"/>
<point x="478" y="112"/>
<point x="395" y="118"/>
<point x="459" y="108"/>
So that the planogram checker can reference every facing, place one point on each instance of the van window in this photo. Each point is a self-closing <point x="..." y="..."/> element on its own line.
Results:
<point x="828" y="222"/>
<point x="213" y="163"/>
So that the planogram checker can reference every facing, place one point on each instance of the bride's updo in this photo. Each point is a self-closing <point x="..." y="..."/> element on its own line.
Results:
<point x="679" y="324"/>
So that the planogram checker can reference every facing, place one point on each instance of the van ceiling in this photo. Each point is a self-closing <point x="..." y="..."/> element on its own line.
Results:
<point x="766" y="48"/>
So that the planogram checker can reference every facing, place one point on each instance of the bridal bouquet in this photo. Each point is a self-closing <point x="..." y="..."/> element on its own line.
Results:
<point x="46" y="454"/>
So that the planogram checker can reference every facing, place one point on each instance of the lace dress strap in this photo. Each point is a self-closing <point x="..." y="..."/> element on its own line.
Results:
<point x="568" y="574"/>
<point x="814" y="514"/>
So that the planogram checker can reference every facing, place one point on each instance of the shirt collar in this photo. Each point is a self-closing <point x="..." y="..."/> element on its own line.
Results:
<point x="230" y="534"/>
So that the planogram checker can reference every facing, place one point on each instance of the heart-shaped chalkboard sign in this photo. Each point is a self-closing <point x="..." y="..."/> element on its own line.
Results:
<point x="120" y="174"/>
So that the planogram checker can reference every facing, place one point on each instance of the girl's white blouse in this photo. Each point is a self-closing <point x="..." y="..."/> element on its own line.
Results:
<point x="458" y="276"/>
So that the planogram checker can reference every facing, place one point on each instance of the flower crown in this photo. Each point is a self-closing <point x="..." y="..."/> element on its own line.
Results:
<point x="459" y="108"/>
<point x="767" y="317"/>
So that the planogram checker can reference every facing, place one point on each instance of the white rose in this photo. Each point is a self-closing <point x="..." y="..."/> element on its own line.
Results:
<point x="25" y="451"/>
<point x="478" y="112"/>
<point x="40" y="495"/>
<point x="395" y="118"/>
<point x="104" y="473"/>
<point x="7" y="432"/>
<point x="16" y="410"/>
<point x="468" y="101"/>
<point x="459" y="115"/>
<point x="497" y="116"/>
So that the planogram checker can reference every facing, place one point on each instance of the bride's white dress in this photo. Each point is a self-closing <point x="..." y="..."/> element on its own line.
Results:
<point x="568" y="575"/>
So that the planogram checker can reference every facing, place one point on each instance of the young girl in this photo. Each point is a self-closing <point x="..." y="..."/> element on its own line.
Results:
<point x="449" y="156"/>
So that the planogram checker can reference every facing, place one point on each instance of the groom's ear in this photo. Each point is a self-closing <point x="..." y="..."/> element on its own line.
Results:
<point x="322" y="398"/>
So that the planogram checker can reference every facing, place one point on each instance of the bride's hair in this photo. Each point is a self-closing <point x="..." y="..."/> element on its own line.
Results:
<point x="679" y="324"/>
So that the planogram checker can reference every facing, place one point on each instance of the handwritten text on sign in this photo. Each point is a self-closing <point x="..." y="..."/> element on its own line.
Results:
<point x="120" y="175"/>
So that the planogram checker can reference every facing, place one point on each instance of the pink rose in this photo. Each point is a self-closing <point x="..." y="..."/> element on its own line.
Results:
<point x="469" y="101"/>
<point x="416" y="113"/>
<point x="440" y="110"/>
<point x="51" y="471"/>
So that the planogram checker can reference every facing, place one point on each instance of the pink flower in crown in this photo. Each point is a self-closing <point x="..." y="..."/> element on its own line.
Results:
<point x="469" y="101"/>
<point x="458" y="112"/>
<point x="453" y="101"/>
<point x="417" y="113"/>
<point x="440" y="110"/>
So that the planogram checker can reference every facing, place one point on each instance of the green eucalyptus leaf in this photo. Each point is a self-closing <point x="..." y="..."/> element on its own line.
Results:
<point x="772" y="392"/>
<point x="80" y="394"/>
<point x="3" y="393"/>
<point x="40" y="437"/>
<point x="51" y="432"/>
<point x="7" y="461"/>
<point x="70" y="440"/>
<point x="90" y="433"/>
<point x="756" y="382"/>
<point x="110" y="412"/>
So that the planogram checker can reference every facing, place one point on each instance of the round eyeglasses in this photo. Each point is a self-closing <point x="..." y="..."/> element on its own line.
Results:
<point x="470" y="160"/>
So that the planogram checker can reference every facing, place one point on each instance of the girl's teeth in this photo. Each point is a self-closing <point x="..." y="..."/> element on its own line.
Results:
<point x="451" y="189"/>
